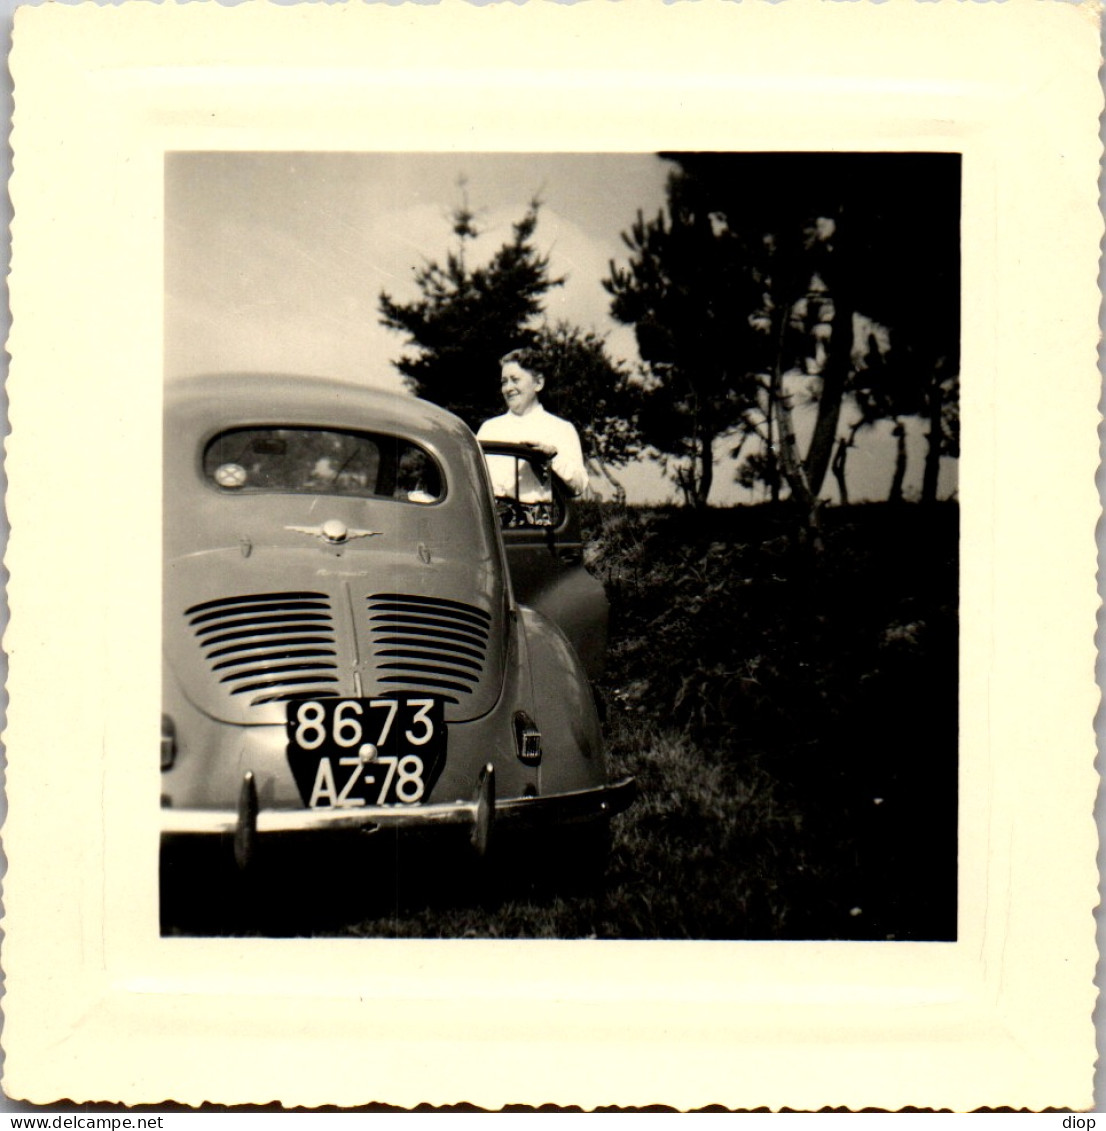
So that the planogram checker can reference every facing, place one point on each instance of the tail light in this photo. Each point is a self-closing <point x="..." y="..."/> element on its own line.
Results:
<point x="527" y="739"/>
<point x="168" y="743"/>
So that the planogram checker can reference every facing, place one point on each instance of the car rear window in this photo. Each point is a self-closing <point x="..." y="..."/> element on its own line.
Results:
<point x="322" y="461"/>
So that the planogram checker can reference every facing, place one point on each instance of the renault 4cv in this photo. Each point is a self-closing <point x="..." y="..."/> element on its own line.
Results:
<point x="358" y="635"/>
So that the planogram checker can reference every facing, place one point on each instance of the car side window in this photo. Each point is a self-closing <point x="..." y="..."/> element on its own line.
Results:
<point x="524" y="494"/>
<point x="322" y="461"/>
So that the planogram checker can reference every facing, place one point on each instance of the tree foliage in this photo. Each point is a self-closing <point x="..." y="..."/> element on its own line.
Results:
<point x="587" y="387"/>
<point x="466" y="317"/>
<point x="768" y="265"/>
<point x="684" y="291"/>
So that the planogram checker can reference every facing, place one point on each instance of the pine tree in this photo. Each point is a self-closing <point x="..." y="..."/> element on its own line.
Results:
<point x="468" y="317"/>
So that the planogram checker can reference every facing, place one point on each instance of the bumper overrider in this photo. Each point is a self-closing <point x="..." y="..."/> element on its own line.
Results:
<point x="250" y="822"/>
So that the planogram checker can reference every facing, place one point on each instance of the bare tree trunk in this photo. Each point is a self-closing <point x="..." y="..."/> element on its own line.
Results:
<point x="895" y="494"/>
<point x="838" y="468"/>
<point x="793" y="469"/>
<point x="771" y="452"/>
<point x="685" y="481"/>
<point x="706" y="467"/>
<point x="795" y="474"/>
<point x="835" y="375"/>
<point x="773" y="392"/>
<point x="790" y="463"/>
<point x="933" y="452"/>
<point x="839" y="458"/>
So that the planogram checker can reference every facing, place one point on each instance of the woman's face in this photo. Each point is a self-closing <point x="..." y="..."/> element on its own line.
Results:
<point x="520" y="388"/>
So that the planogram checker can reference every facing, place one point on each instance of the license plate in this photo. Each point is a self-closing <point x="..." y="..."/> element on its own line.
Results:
<point x="349" y="753"/>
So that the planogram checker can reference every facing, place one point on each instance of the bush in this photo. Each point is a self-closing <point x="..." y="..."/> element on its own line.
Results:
<point x="830" y="680"/>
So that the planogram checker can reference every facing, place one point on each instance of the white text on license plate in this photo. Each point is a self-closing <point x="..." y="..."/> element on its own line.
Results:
<point x="352" y="753"/>
<point x="336" y="788"/>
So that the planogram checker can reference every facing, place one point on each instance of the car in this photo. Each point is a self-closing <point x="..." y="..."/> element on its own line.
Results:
<point x="359" y="635"/>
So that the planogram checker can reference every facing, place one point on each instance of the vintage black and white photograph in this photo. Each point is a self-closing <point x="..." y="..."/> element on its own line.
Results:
<point x="561" y="545"/>
<point x="602" y="652"/>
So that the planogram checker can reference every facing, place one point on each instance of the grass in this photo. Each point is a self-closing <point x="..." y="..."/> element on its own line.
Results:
<point x="791" y="722"/>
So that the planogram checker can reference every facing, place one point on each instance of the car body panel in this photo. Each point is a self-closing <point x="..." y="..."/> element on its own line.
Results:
<point x="338" y="609"/>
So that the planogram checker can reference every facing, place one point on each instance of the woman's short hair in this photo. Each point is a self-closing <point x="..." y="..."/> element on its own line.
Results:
<point x="525" y="357"/>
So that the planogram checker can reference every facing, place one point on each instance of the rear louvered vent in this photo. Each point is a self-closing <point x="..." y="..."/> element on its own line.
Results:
<point x="268" y="646"/>
<point x="428" y="644"/>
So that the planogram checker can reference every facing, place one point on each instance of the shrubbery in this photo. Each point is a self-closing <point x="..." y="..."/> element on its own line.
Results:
<point x="825" y="685"/>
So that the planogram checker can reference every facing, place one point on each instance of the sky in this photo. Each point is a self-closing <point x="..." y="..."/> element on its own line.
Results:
<point x="276" y="261"/>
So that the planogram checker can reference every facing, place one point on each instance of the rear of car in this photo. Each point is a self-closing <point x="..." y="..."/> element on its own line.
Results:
<point x="342" y="646"/>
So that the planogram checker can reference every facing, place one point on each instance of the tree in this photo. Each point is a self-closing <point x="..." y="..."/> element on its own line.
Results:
<point x="876" y="395"/>
<point x="468" y="317"/>
<point x="597" y="394"/>
<point x="806" y="250"/>
<point x="686" y="291"/>
<point x="919" y="262"/>
<point x="718" y="291"/>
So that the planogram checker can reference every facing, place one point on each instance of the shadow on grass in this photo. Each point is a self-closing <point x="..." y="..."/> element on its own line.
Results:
<point x="383" y="885"/>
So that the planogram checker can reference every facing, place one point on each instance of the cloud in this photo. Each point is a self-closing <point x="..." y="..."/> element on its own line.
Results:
<point x="279" y="266"/>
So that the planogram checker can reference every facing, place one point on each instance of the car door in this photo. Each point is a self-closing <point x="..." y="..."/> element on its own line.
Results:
<point x="545" y="550"/>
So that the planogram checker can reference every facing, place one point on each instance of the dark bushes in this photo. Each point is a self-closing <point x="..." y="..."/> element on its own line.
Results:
<point x="831" y="676"/>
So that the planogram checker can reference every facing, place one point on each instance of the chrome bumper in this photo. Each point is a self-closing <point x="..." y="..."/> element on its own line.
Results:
<point x="479" y="813"/>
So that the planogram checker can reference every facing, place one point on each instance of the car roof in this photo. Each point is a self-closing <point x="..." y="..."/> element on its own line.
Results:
<point x="226" y="399"/>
